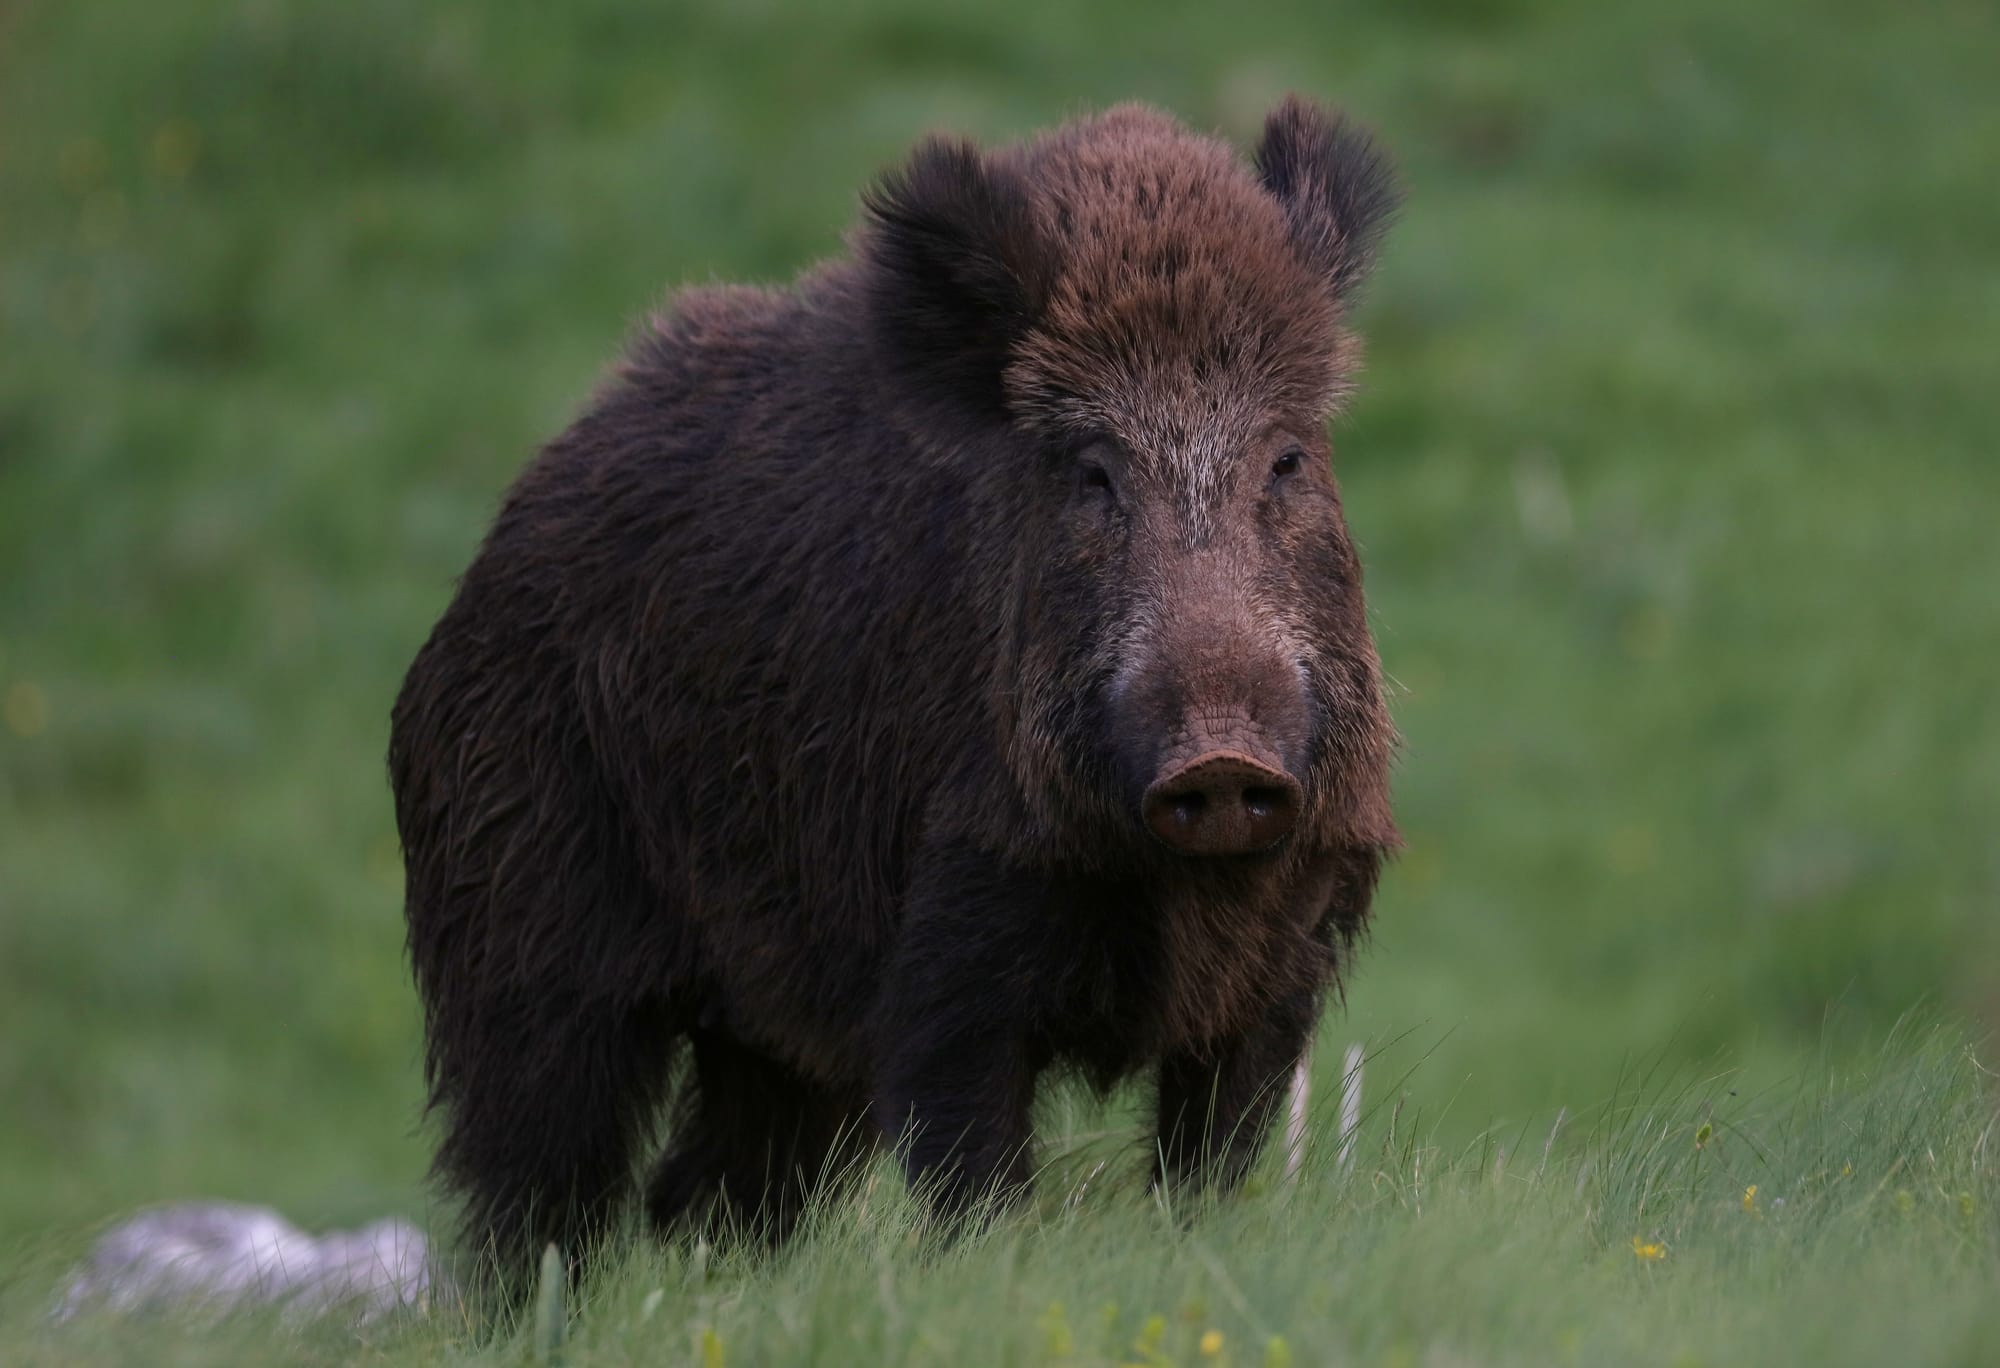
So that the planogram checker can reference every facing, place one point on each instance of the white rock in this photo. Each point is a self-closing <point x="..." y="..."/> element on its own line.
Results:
<point x="223" y="1255"/>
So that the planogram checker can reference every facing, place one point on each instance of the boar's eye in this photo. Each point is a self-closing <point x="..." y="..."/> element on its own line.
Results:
<point x="1093" y="479"/>
<point x="1288" y="464"/>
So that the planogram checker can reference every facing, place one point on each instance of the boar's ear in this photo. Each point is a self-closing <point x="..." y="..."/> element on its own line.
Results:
<point x="952" y="250"/>
<point x="1337" y="189"/>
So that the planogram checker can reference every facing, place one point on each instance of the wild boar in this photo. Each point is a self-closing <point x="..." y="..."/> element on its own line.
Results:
<point x="892" y="687"/>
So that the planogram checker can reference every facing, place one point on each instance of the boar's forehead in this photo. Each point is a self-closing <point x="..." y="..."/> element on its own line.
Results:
<point x="1177" y="315"/>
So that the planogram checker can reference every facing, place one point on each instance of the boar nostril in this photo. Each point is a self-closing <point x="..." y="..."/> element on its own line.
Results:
<point x="1262" y="801"/>
<point x="1222" y="803"/>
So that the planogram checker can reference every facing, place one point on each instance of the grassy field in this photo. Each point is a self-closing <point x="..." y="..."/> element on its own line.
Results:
<point x="1844" y="1220"/>
<point x="1674" y="474"/>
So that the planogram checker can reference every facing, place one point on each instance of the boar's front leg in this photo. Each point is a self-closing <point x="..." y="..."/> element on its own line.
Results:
<point x="955" y="1059"/>
<point x="1215" y="1106"/>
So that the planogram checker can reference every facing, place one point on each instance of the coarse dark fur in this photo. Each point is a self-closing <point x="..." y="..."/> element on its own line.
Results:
<point x="794" y="717"/>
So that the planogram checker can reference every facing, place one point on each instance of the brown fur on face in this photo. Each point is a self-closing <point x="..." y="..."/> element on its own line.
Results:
<point x="1178" y="281"/>
<point x="791" y="727"/>
<point x="1192" y="320"/>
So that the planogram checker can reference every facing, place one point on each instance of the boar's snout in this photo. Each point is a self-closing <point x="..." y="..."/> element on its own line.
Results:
<point x="1222" y="801"/>
<point x="1211" y="712"/>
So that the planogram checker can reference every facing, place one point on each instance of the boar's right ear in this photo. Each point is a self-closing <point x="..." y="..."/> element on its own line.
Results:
<point x="1336" y="187"/>
<point x="952" y="248"/>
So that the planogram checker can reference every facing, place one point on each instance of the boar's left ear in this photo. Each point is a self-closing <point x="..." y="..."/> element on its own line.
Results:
<point x="952" y="249"/>
<point x="1337" y="188"/>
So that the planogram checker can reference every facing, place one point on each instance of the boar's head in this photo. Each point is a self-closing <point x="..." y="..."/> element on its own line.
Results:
<point x="1143" y="337"/>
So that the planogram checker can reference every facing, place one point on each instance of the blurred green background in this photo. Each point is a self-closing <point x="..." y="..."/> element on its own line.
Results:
<point x="1673" y="470"/>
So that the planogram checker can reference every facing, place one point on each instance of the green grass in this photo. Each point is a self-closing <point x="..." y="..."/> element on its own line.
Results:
<point x="1672" y="468"/>
<point x="1848" y="1217"/>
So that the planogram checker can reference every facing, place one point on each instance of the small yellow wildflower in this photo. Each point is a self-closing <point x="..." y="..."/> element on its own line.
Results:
<point x="176" y="145"/>
<point x="1152" y="1335"/>
<point x="1277" y="1353"/>
<point x="27" y="710"/>
<point x="1847" y="1170"/>
<point x="1750" y="1198"/>
<point x="1648" y="1251"/>
<point x="711" y="1349"/>
<point x="1634" y="849"/>
<point x="1056" y="1338"/>
<point x="1211" y="1344"/>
